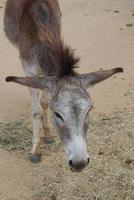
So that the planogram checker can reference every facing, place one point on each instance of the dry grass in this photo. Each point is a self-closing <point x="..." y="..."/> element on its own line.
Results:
<point x="110" y="175"/>
<point x="15" y="135"/>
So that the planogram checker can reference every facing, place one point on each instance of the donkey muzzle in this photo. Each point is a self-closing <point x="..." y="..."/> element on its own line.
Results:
<point x="78" y="165"/>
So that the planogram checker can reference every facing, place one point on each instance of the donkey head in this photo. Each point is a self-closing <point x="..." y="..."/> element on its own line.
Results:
<point x="70" y="105"/>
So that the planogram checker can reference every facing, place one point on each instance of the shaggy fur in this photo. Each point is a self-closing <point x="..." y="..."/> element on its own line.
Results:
<point x="37" y="32"/>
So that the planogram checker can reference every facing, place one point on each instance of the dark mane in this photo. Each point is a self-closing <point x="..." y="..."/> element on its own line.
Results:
<point x="66" y="60"/>
<point x="54" y="56"/>
<point x="63" y="59"/>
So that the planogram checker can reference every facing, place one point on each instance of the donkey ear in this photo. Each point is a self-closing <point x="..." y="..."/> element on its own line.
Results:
<point x="31" y="81"/>
<point x="96" y="77"/>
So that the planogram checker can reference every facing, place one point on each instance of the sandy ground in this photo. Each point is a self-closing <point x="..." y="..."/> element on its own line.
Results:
<point x="100" y="36"/>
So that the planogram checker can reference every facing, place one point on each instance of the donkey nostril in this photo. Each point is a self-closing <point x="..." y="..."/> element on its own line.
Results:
<point x="71" y="163"/>
<point x="78" y="165"/>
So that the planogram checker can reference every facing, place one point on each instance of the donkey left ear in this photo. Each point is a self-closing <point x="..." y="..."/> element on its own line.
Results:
<point x="96" y="77"/>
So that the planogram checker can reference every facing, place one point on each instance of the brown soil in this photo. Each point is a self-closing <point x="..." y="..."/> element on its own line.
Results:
<point x="99" y="31"/>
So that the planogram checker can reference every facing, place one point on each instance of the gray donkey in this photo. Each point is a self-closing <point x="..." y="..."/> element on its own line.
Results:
<point x="34" y="26"/>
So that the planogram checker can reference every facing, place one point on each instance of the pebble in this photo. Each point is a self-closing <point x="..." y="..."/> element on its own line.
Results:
<point x="129" y="160"/>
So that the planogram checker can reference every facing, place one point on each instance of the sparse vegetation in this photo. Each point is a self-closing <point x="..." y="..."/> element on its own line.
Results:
<point x="110" y="175"/>
<point x="15" y="135"/>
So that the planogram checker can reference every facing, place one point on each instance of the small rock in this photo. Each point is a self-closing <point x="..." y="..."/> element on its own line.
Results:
<point x="129" y="25"/>
<point x="129" y="160"/>
<point x="101" y="152"/>
<point x="116" y="11"/>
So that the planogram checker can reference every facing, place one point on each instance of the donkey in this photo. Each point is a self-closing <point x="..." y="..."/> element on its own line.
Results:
<point x="34" y="27"/>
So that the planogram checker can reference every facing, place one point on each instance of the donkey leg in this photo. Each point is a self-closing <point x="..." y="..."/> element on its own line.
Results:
<point x="37" y="126"/>
<point x="35" y="156"/>
<point x="49" y="137"/>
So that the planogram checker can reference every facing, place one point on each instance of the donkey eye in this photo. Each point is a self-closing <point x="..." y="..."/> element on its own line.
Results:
<point x="89" y="110"/>
<point x="87" y="115"/>
<point x="58" y="116"/>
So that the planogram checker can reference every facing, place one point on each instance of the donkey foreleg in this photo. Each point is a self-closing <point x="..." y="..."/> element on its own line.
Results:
<point x="49" y="137"/>
<point x="32" y="70"/>
<point x="37" y="125"/>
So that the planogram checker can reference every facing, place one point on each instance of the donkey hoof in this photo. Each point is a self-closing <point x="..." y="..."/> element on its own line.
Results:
<point x="35" y="158"/>
<point x="49" y="140"/>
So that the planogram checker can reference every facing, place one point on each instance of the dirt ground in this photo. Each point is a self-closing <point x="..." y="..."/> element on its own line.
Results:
<point x="102" y="32"/>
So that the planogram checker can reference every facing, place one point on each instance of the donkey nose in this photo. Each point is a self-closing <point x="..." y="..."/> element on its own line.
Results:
<point x="78" y="165"/>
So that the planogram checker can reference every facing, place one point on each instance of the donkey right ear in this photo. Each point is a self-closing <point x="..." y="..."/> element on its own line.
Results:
<point x="31" y="81"/>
